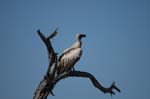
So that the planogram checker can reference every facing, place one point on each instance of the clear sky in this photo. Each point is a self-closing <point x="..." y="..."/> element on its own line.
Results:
<point x="117" y="46"/>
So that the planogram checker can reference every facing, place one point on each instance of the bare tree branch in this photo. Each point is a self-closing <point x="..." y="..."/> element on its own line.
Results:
<point x="43" y="89"/>
<point x="92" y="78"/>
<point x="47" y="42"/>
<point x="53" y="34"/>
<point x="51" y="78"/>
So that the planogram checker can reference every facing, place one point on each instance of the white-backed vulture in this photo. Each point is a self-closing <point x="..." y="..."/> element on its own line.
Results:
<point x="70" y="56"/>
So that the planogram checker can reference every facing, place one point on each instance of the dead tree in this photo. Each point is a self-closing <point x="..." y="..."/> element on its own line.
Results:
<point x="51" y="78"/>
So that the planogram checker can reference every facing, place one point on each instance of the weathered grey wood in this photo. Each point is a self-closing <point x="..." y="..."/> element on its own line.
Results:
<point x="45" y="87"/>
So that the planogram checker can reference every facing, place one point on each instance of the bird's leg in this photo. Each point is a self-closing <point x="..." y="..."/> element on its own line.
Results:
<point x="73" y="69"/>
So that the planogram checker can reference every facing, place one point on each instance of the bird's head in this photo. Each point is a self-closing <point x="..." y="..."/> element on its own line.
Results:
<point x="79" y="36"/>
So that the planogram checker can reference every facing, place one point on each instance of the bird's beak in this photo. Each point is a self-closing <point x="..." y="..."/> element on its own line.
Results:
<point x="83" y="35"/>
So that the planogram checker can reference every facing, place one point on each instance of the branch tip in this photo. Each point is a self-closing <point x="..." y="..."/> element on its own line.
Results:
<point x="38" y="31"/>
<point x="53" y="34"/>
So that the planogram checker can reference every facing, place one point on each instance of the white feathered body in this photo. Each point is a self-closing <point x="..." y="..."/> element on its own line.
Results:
<point x="69" y="57"/>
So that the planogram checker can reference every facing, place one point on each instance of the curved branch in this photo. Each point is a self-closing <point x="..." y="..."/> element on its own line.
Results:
<point x="92" y="78"/>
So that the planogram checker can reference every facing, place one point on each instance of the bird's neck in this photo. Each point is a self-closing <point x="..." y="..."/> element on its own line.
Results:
<point x="78" y="43"/>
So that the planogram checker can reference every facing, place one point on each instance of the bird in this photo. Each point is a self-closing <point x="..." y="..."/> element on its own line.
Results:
<point x="70" y="56"/>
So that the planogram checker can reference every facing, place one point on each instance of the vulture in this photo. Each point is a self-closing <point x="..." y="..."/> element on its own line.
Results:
<point x="70" y="56"/>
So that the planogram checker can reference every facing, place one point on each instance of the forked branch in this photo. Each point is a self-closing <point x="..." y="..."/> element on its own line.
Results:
<point x="92" y="78"/>
<point x="51" y="77"/>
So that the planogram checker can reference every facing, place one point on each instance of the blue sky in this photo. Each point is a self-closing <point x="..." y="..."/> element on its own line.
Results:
<point x="117" y="46"/>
